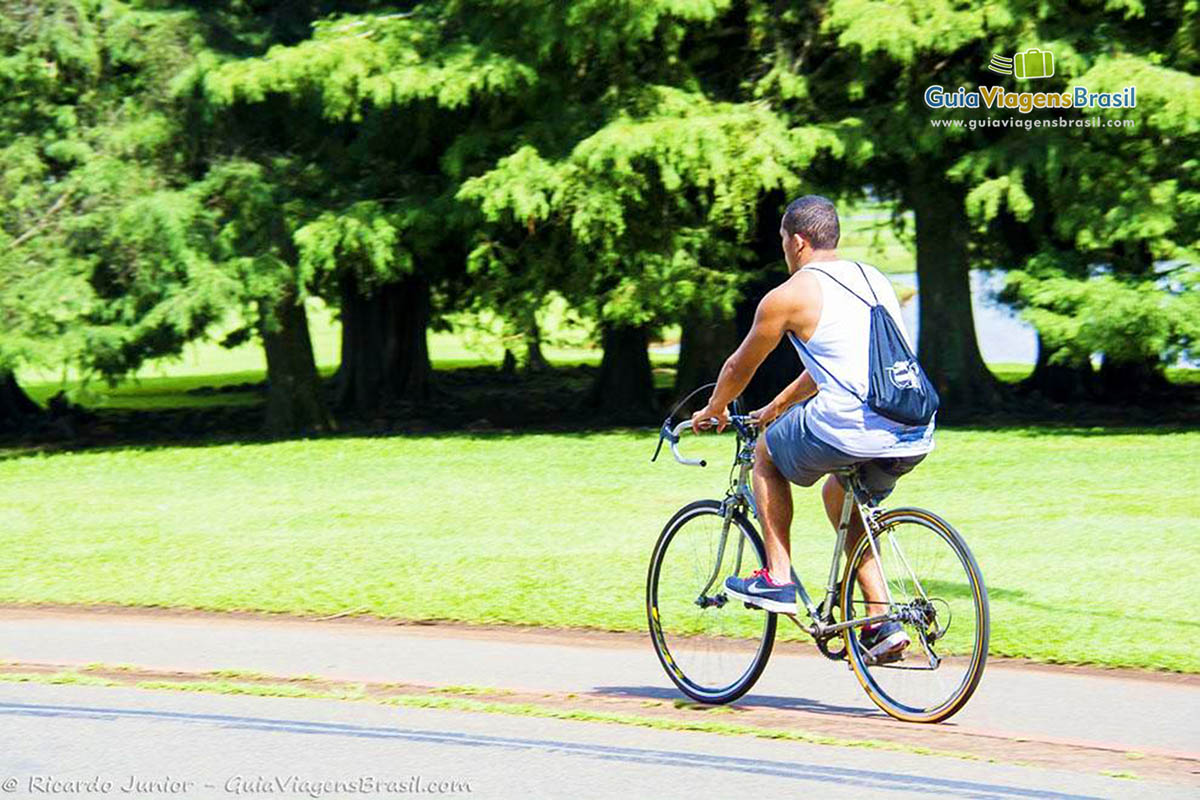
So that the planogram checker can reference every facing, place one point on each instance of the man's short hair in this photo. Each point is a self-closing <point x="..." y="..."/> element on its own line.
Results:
<point x="815" y="218"/>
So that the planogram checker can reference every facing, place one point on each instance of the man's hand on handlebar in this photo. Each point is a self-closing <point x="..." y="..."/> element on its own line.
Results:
<point x="702" y="419"/>
<point x="766" y="414"/>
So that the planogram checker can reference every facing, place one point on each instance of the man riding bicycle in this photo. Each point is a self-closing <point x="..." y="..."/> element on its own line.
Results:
<point x="819" y="423"/>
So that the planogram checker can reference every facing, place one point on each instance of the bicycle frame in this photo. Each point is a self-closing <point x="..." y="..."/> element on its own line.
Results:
<point x="739" y="497"/>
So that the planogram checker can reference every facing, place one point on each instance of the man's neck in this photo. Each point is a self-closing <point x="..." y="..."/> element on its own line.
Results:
<point x="820" y="256"/>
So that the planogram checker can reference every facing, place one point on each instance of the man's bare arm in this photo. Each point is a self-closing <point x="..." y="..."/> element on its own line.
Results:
<point x="797" y="391"/>
<point x="764" y="335"/>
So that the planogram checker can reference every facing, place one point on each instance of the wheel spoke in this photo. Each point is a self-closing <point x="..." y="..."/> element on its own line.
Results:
<point x="935" y="589"/>
<point x="716" y="651"/>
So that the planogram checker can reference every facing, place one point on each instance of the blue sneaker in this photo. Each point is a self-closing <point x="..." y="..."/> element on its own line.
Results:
<point x="884" y="643"/>
<point x="759" y="590"/>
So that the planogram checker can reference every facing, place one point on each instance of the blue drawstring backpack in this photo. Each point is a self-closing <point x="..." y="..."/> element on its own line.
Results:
<point x="897" y="386"/>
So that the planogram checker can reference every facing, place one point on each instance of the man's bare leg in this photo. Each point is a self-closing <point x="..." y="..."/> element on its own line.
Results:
<point x="869" y="576"/>
<point x="773" y="494"/>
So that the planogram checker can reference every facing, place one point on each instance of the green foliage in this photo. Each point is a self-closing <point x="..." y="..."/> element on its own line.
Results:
<point x="98" y="247"/>
<point x="414" y="104"/>
<point x="654" y="204"/>
<point x="162" y="165"/>
<point x="985" y="200"/>
<point x="354" y="63"/>
<point x="1127" y="203"/>
<point x="906" y="31"/>
<point x="1125" y="320"/>
<point x="1062" y="204"/>
<point x="588" y="36"/>
<point x="362" y="234"/>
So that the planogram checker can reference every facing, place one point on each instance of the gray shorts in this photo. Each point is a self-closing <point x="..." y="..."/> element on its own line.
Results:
<point x="803" y="459"/>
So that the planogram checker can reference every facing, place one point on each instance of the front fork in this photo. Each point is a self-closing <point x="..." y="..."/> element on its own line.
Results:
<point x="738" y="498"/>
<point x="822" y="626"/>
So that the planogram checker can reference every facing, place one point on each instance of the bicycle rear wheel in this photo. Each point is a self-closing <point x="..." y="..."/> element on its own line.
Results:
<point x="937" y="594"/>
<point x="711" y="646"/>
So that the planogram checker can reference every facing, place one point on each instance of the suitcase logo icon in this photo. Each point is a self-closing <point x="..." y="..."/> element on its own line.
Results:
<point x="1033" y="63"/>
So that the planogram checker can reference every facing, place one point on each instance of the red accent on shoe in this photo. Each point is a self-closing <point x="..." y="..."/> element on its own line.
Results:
<point x="766" y="576"/>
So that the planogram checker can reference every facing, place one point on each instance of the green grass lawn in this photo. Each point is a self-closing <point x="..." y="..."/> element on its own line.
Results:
<point x="1088" y="539"/>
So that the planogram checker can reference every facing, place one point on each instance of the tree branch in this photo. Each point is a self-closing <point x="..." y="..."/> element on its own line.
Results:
<point x="59" y="204"/>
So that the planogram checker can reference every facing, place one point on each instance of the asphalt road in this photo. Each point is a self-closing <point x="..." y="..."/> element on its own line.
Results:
<point x="223" y="746"/>
<point x="217" y="745"/>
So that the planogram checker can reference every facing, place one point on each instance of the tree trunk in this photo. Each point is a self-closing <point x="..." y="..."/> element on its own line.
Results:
<point x="385" y="350"/>
<point x="294" y="400"/>
<point x="1122" y="381"/>
<point x="624" y="385"/>
<point x="16" y="408"/>
<point x="534" y="360"/>
<point x="509" y="365"/>
<point x="1062" y="383"/>
<point x="703" y="347"/>
<point x="948" y="348"/>
<point x="782" y="366"/>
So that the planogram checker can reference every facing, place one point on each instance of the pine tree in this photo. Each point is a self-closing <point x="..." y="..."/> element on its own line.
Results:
<point x="641" y="205"/>
<point x="1005" y="197"/>
<point x="1111" y="223"/>
<point x="386" y="111"/>
<point x="98" y="266"/>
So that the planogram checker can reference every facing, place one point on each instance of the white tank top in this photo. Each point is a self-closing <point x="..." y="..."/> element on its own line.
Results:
<point x="841" y="343"/>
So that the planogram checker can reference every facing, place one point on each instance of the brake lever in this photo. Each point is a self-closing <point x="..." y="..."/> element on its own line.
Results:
<point x="664" y="434"/>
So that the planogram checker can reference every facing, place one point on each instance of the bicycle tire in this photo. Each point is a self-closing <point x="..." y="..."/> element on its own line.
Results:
<point x="978" y="593"/>
<point x="714" y="695"/>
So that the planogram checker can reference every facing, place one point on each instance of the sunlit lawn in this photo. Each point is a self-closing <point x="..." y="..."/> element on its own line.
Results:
<point x="868" y="236"/>
<point x="1088" y="539"/>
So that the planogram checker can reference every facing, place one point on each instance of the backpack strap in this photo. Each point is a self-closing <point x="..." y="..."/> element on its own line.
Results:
<point x="867" y="281"/>
<point x="799" y="343"/>
<point x="848" y="289"/>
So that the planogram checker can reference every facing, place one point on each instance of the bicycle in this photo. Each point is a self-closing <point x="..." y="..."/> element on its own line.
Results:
<point x="934" y="589"/>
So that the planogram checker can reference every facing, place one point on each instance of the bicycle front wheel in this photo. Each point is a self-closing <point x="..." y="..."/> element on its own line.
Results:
<point x="935" y="590"/>
<point x="711" y="646"/>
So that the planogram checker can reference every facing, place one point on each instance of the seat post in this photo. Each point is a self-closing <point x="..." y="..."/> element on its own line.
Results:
<point x="842" y="531"/>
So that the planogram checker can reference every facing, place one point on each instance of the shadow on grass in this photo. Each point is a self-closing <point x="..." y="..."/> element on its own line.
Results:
<point x="477" y="403"/>
<point x="193" y="428"/>
<point x="178" y="432"/>
<point x="1079" y="428"/>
